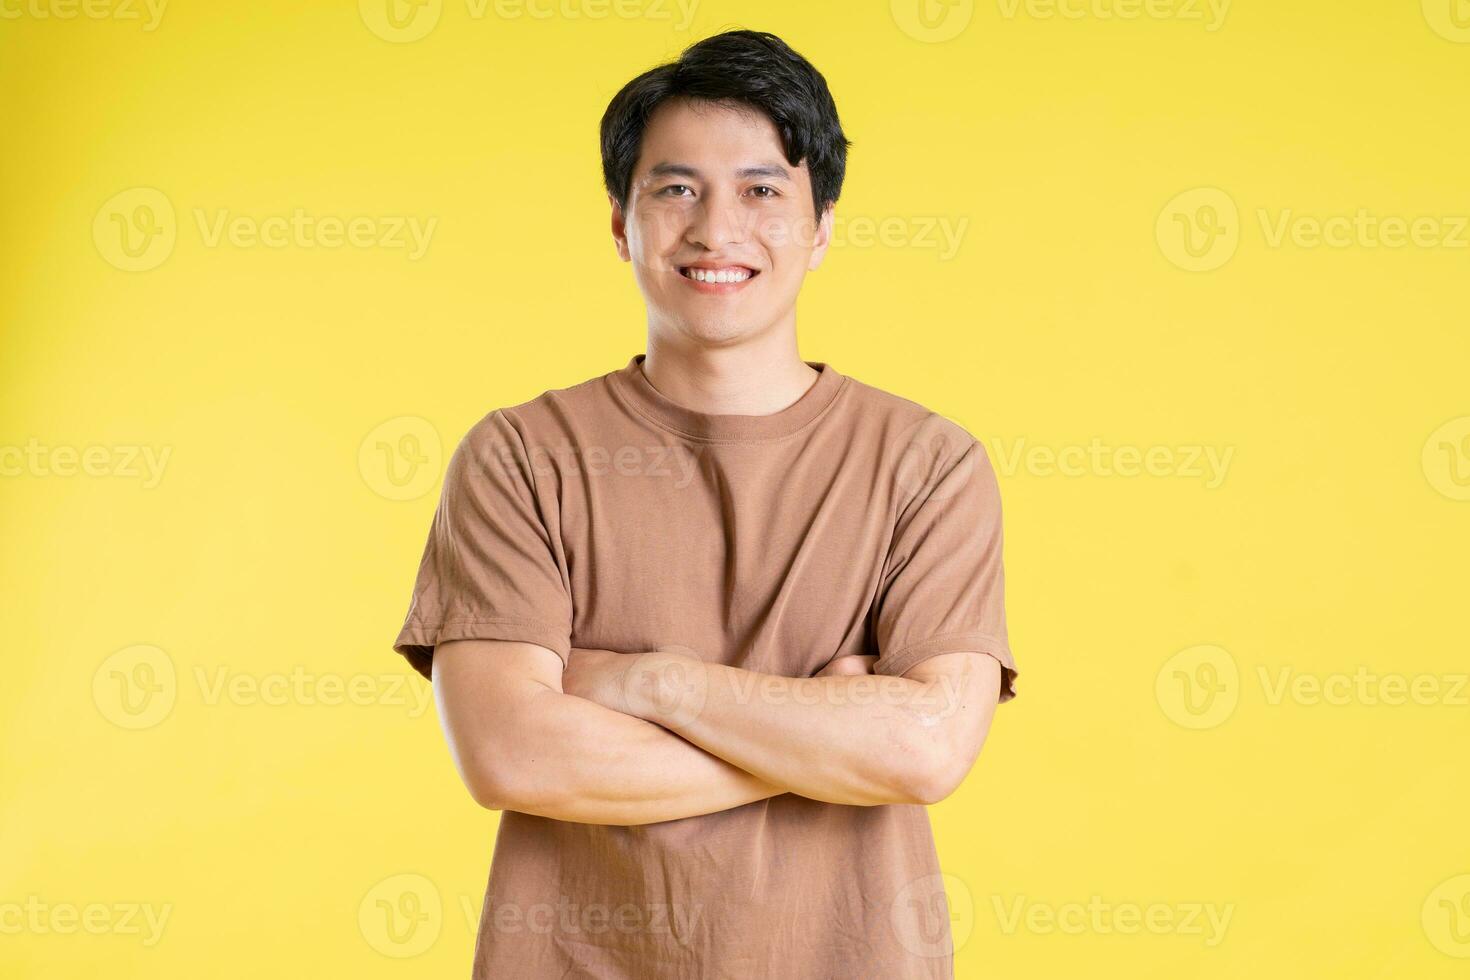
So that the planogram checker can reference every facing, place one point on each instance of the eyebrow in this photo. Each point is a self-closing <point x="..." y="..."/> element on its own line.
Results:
<point x="768" y="170"/>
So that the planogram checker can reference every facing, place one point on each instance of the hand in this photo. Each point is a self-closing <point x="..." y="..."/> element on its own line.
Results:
<point x="664" y="686"/>
<point x="850" y="664"/>
<point x="597" y="675"/>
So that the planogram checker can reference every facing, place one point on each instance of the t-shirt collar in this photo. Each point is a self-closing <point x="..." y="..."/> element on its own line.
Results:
<point x="633" y="385"/>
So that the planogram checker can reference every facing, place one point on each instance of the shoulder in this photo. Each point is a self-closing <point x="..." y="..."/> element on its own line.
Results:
<point x="903" y="423"/>
<point x="542" y="418"/>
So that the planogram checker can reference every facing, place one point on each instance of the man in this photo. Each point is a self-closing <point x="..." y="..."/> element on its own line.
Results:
<point x="711" y="629"/>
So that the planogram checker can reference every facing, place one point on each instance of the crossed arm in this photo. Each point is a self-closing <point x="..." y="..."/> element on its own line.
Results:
<point x="620" y="738"/>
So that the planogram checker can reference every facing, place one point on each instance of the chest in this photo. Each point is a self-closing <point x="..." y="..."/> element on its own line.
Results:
<point x="754" y="559"/>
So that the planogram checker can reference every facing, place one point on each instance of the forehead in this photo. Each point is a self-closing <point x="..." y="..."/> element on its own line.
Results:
<point x="712" y="138"/>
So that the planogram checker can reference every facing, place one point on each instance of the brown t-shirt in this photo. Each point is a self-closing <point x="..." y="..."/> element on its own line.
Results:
<point x="605" y="515"/>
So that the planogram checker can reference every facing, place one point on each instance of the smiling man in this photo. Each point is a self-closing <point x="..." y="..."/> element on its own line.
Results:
<point x="713" y="628"/>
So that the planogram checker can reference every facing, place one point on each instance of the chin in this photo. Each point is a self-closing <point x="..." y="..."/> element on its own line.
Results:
<point x="714" y="331"/>
<point x="724" y="332"/>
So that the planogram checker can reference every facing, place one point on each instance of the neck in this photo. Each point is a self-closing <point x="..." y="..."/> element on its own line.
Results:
<point x="760" y="376"/>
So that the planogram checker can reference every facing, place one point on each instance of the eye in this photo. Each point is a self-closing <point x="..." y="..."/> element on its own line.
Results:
<point x="770" y="191"/>
<point x="672" y="189"/>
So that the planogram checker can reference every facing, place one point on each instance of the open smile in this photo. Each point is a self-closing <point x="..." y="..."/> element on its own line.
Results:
<point x="718" y="279"/>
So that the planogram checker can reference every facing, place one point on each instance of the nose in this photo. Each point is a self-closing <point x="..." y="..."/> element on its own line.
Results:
<point x="717" y="222"/>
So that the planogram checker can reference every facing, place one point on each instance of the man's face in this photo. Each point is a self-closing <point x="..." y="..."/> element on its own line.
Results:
<point x="719" y="227"/>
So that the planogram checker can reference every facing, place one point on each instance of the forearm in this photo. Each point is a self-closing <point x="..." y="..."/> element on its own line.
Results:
<point x="860" y="740"/>
<point x="585" y="763"/>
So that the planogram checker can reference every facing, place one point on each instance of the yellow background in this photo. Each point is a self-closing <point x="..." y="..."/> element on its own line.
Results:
<point x="1332" y="834"/>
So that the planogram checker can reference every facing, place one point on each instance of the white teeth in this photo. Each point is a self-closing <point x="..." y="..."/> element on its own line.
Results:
<point x="720" y="275"/>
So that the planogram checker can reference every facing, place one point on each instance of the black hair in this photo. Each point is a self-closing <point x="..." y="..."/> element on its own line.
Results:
<point x="743" y="69"/>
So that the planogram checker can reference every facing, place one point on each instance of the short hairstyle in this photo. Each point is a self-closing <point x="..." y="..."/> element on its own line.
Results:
<point x="750" y="69"/>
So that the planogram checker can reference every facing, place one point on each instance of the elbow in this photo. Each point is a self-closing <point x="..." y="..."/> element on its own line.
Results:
<point x="522" y="773"/>
<point x="488" y="796"/>
<point x="928" y="788"/>
<point x="934" y="775"/>
<point x="497" y="788"/>
<point x="495" y="794"/>
<point x="502" y="787"/>
<point x="486" y="788"/>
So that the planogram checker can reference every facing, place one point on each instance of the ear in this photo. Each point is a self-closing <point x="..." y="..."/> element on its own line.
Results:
<point x="619" y="228"/>
<point x="821" y="239"/>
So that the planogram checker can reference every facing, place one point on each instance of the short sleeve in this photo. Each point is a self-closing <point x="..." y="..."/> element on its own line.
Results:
<point x="943" y="583"/>
<point x="489" y="569"/>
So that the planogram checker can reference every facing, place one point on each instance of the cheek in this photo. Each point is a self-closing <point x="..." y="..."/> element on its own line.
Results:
<point x="789" y="240"/>
<point x="645" y="251"/>
<point x="656" y="232"/>
<point x="789" y="260"/>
